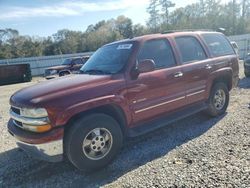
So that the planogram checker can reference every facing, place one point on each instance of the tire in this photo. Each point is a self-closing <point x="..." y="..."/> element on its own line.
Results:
<point x="85" y="130"/>
<point x="64" y="73"/>
<point x="215" y="108"/>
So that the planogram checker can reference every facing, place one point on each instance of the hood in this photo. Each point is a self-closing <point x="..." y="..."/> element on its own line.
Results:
<point x="52" y="89"/>
<point x="60" y="67"/>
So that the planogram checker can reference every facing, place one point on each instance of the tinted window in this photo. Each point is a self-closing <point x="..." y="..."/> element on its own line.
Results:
<point x="218" y="44"/>
<point x="77" y="61"/>
<point x="158" y="50"/>
<point x="190" y="49"/>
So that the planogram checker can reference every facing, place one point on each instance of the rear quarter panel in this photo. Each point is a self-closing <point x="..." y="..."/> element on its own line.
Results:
<point x="223" y="67"/>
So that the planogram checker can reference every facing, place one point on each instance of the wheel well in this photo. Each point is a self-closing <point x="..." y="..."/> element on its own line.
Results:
<point x="64" y="71"/>
<point x="225" y="79"/>
<point x="112" y="110"/>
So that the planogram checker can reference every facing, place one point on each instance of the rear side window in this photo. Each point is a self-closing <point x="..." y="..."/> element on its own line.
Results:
<point x="218" y="44"/>
<point x="190" y="49"/>
<point x="160" y="51"/>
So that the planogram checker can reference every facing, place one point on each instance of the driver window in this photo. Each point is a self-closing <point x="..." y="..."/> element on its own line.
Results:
<point x="160" y="51"/>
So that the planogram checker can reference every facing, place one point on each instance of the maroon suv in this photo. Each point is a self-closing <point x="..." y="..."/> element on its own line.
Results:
<point x="125" y="89"/>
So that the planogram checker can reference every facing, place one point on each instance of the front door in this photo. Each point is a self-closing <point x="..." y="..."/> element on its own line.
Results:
<point x="159" y="91"/>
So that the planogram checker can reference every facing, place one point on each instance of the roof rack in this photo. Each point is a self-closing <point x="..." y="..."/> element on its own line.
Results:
<point x="183" y="30"/>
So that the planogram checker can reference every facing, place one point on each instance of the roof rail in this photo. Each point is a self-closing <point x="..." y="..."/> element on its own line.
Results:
<point x="183" y="30"/>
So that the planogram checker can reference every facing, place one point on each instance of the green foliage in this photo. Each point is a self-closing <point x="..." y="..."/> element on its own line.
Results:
<point x="166" y="5"/>
<point x="205" y="14"/>
<point x="154" y="19"/>
<point x="13" y="45"/>
<point x="124" y="26"/>
<point x="211" y="14"/>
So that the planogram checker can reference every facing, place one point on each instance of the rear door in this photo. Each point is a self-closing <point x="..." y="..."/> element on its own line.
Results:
<point x="196" y="67"/>
<point x="159" y="91"/>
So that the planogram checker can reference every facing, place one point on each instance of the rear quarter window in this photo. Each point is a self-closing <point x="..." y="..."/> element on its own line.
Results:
<point x="218" y="44"/>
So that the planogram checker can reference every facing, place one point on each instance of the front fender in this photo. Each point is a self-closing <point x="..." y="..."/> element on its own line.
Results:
<point x="63" y="117"/>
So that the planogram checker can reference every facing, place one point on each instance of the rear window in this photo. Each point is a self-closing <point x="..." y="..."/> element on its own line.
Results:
<point x="190" y="49"/>
<point x="218" y="44"/>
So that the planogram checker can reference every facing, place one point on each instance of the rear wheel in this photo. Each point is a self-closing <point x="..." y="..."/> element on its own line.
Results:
<point x="218" y="99"/>
<point x="93" y="141"/>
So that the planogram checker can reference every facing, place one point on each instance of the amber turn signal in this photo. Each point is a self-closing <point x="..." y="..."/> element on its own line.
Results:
<point x="37" y="128"/>
<point x="43" y="128"/>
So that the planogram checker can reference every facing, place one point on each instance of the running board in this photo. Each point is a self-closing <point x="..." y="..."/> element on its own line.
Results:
<point x="166" y="120"/>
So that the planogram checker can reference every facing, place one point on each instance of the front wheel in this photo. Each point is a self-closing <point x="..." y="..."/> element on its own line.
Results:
<point x="93" y="141"/>
<point x="218" y="100"/>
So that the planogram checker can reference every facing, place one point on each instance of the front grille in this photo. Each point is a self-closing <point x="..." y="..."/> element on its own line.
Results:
<point x="15" y="110"/>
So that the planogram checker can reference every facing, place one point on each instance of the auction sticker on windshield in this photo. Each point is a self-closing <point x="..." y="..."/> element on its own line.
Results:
<point x="124" y="46"/>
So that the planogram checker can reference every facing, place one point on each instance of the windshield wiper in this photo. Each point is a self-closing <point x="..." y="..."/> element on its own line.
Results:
<point x="95" y="71"/>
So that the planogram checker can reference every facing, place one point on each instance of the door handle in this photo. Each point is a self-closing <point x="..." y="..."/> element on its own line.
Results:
<point x="178" y="74"/>
<point x="208" y="66"/>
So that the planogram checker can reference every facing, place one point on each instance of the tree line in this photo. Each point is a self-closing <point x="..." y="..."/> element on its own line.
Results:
<point x="234" y="16"/>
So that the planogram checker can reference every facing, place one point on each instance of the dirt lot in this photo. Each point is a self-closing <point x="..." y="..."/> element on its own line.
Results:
<point x="197" y="151"/>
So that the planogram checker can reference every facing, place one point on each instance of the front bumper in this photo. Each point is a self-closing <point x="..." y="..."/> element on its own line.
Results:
<point x="45" y="146"/>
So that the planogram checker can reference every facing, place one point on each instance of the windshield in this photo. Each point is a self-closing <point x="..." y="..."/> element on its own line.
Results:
<point x="66" y="62"/>
<point x="108" y="59"/>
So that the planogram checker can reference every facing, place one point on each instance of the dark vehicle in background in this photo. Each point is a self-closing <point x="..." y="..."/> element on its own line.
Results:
<point x="15" y="73"/>
<point x="70" y="65"/>
<point x="247" y="65"/>
<point x="127" y="88"/>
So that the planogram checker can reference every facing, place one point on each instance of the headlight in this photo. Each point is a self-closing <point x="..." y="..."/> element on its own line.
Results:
<point x="34" y="112"/>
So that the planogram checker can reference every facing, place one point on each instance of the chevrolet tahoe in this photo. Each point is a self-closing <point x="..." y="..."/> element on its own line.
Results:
<point x="127" y="88"/>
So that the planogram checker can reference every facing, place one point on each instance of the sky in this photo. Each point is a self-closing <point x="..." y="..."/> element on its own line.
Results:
<point x="45" y="17"/>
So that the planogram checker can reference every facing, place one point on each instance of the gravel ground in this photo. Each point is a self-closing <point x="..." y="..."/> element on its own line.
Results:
<point x="195" y="152"/>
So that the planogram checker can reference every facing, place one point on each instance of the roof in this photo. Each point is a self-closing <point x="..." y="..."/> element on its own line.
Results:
<point x="165" y="34"/>
<point x="173" y="33"/>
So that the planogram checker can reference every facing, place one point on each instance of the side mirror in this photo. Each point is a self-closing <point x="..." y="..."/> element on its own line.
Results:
<point x="146" y="65"/>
